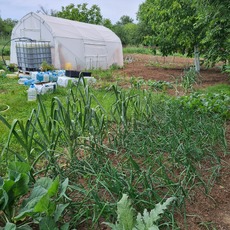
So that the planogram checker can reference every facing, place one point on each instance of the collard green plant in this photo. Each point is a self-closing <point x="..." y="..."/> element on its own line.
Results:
<point x="210" y="103"/>
<point x="13" y="188"/>
<point x="126" y="219"/>
<point x="44" y="204"/>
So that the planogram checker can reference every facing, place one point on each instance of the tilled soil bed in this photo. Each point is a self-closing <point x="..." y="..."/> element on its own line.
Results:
<point x="169" y="69"/>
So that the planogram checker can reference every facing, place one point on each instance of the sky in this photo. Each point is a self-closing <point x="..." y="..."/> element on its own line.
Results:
<point x="111" y="9"/>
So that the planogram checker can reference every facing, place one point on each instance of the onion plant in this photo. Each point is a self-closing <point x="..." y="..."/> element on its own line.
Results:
<point x="146" y="146"/>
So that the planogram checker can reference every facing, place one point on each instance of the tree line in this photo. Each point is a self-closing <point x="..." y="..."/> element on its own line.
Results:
<point x="185" y="26"/>
<point x="6" y="27"/>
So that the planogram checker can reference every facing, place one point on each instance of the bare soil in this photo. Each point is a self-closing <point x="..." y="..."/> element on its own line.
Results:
<point x="203" y="212"/>
<point x="169" y="69"/>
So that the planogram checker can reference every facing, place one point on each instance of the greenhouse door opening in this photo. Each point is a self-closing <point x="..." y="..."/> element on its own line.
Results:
<point x="96" y="56"/>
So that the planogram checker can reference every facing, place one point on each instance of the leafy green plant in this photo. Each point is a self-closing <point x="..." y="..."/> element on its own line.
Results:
<point x="46" y="66"/>
<point x="13" y="188"/>
<point x="212" y="103"/>
<point x="159" y="85"/>
<point x="44" y="204"/>
<point x="137" y="82"/>
<point x="126" y="216"/>
<point x="226" y="68"/>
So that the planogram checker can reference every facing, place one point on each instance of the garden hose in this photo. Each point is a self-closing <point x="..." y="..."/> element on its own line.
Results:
<point x="20" y="39"/>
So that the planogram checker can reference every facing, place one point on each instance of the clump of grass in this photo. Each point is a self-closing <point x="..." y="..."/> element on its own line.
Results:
<point x="103" y="74"/>
<point x="189" y="78"/>
<point x="219" y="88"/>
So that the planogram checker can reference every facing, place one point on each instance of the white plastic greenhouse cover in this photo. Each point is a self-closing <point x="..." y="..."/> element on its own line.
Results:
<point x="74" y="44"/>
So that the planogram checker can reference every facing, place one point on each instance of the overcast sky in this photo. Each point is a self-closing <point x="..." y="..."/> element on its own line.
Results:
<point x="112" y="9"/>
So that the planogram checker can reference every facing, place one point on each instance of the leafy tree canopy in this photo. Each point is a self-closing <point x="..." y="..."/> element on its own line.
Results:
<point x="172" y="24"/>
<point x="124" y="20"/>
<point x="107" y="23"/>
<point x="126" y="30"/>
<point x="181" y="25"/>
<point x="214" y="15"/>
<point x="81" y="13"/>
<point x="6" y="26"/>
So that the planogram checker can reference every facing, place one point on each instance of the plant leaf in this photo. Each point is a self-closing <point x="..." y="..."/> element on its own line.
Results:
<point x="10" y="226"/>
<point x="65" y="226"/>
<point x="21" y="186"/>
<point x="28" y="204"/>
<point x="139" y="222"/>
<point x="17" y="167"/>
<point x="45" y="205"/>
<point x="47" y="223"/>
<point x="125" y="213"/>
<point x="59" y="210"/>
<point x="3" y="199"/>
<point x="44" y="182"/>
<point x="64" y="186"/>
<point x="159" y="209"/>
<point x="53" y="189"/>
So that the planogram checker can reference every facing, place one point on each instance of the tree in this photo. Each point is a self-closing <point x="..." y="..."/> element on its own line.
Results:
<point x="120" y="32"/>
<point x="6" y="26"/>
<point x="107" y="23"/>
<point x="81" y="13"/>
<point x="173" y="25"/>
<point x="215" y="16"/>
<point x="126" y="30"/>
<point x="187" y="25"/>
<point x="124" y="20"/>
